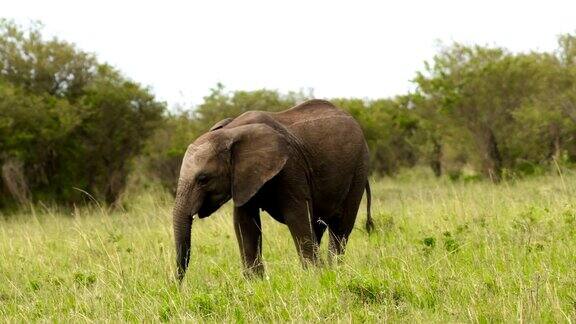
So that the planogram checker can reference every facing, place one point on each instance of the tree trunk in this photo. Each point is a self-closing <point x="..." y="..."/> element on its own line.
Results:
<point x="12" y="173"/>
<point x="555" y="141"/>
<point x="436" y="159"/>
<point x="492" y="160"/>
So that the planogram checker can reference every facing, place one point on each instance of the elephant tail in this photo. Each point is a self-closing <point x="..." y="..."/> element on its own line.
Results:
<point x="369" y="222"/>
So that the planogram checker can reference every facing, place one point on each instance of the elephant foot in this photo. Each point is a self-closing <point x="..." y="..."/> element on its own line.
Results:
<point x="254" y="272"/>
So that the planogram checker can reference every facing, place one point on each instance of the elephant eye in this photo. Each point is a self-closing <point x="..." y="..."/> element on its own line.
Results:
<point x="202" y="178"/>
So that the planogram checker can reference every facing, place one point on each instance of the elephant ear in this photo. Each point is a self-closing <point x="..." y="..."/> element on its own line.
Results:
<point x="258" y="153"/>
<point x="221" y="124"/>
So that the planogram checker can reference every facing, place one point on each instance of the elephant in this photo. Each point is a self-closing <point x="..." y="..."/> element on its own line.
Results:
<point x="306" y="166"/>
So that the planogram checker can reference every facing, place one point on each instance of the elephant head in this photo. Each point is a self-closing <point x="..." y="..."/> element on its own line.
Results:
<point x="222" y="164"/>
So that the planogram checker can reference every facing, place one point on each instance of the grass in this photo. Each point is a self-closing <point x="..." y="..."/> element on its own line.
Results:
<point x="443" y="252"/>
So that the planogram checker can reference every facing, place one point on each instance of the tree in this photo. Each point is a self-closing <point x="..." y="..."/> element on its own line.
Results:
<point x="68" y="123"/>
<point x="480" y="88"/>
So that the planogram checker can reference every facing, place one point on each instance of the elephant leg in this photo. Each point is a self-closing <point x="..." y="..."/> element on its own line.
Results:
<point x="339" y="232"/>
<point x="319" y="228"/>
<point x="337" y="245"/>
<point x="299" y="222"/>
<point x="342" y="226"/>
<point x="249" y="234"/>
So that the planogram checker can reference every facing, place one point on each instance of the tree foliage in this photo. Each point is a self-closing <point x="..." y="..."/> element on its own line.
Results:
<point x="499" y="100"/>
<point x="69" y="124"/>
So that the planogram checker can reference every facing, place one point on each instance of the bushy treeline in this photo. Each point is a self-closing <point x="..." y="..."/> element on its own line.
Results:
<point x="477" y="112"/>
<point x="510" y="113"/>
<point x="70" y="125"/>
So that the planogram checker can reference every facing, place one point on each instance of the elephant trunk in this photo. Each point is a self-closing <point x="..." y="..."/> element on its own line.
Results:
<point x="184" y="210"/>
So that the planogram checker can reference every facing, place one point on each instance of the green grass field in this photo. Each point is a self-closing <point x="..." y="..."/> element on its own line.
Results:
<point x="443" y="252"/>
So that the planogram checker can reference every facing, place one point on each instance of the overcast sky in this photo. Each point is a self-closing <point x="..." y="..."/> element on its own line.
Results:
<point x="367" y="49"/>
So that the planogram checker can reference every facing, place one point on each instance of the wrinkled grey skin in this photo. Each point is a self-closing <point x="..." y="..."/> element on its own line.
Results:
<point x="306" y="166"/>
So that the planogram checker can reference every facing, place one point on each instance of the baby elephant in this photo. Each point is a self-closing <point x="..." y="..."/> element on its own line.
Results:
<point x="306" y="166"/>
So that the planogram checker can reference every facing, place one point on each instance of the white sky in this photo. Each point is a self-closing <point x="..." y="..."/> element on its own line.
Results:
<point x="367" y="49"/>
